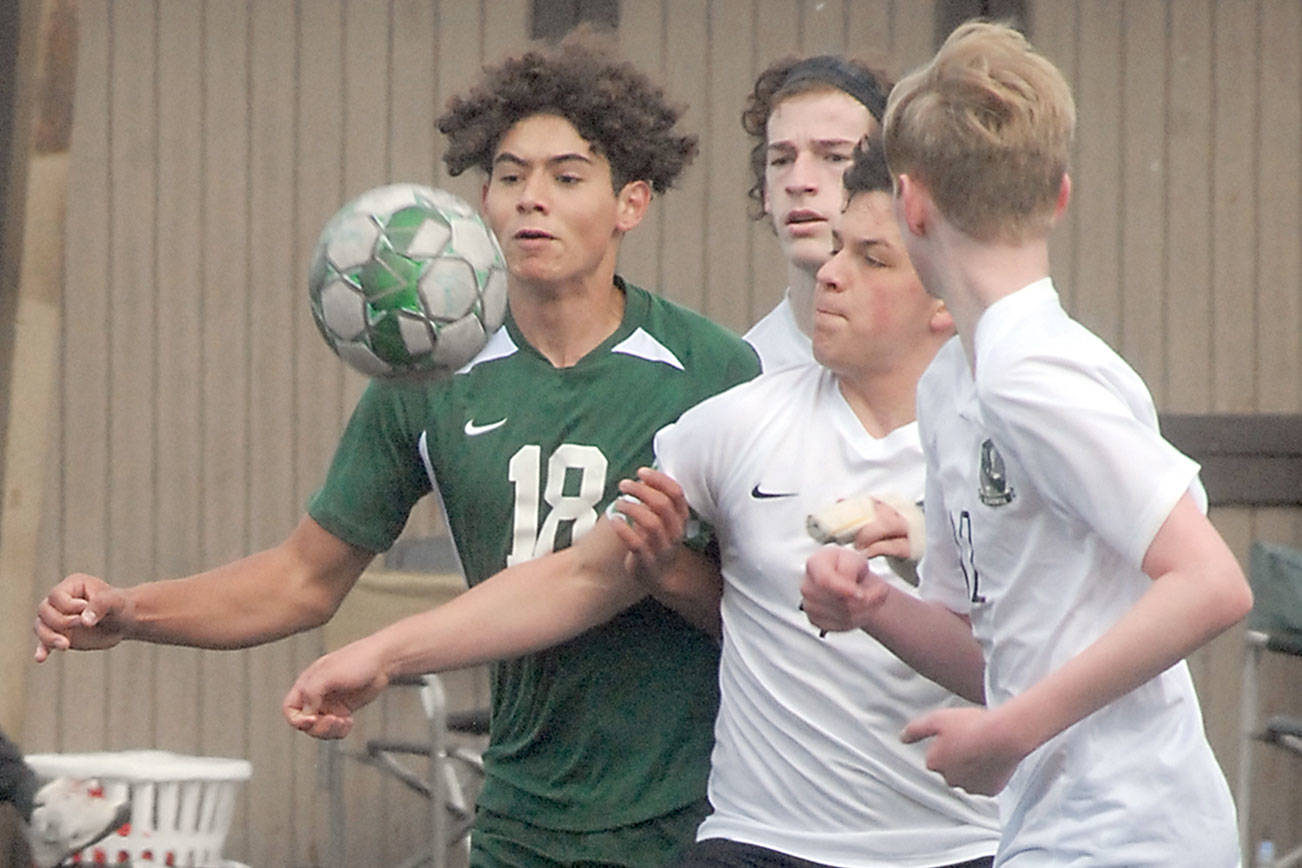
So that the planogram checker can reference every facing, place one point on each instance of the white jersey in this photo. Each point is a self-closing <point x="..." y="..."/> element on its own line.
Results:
<point x="1047" y="480"/>
<point x="807" y="757"/>
<point x="778" y="340"/>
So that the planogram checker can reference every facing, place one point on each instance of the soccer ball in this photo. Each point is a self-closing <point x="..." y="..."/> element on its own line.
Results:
<point x="407" y="281"/>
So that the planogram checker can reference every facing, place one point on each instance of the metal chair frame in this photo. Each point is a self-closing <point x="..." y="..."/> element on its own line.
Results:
<point x="442" y="782"/>
<point x="1280" y="731"/>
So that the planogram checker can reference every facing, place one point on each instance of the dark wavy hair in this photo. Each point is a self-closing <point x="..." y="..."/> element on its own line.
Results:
<point x="775" y="84"/>
<point x="614" y="107"/>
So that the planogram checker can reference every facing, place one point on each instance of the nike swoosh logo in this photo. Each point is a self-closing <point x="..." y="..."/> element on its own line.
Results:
<point x="764" y="495"/>
<point x="473" y="430"/>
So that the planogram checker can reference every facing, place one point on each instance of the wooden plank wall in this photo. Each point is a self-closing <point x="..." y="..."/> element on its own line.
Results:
<point x="1181" y="248"/>
<point x="197" y="407"/>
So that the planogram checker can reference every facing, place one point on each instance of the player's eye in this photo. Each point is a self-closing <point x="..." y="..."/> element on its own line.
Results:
<point x="780" y="160"/>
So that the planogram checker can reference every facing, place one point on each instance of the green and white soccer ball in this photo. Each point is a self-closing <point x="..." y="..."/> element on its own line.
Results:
<point x="407" y="281"/>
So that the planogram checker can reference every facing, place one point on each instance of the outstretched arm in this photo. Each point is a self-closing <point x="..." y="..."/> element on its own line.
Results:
<point x="527" y="607"/>
<point x="294" y="586"/>
<point x="1198" y="591"/>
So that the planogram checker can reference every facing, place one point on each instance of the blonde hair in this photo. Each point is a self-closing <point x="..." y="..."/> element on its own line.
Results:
<point x="986" y="127"/>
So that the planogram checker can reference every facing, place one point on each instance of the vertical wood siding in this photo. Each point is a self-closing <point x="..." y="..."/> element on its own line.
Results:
<point x="198" y="408"/>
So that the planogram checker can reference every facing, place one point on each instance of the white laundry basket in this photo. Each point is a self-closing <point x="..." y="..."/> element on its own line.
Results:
<point x="181" y="806"/>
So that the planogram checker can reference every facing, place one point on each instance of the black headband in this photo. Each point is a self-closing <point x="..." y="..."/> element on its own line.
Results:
<point x="833" y="70"/>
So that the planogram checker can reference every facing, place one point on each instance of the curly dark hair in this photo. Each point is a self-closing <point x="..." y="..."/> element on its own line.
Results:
<point x="777" y="82"/>
<point x="616" y="108"/>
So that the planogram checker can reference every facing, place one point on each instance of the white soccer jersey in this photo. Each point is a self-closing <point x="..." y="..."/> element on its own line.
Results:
<point x="807" y="757"/>
<point x="778" y="340"/>
<point x="1046" y="483"/>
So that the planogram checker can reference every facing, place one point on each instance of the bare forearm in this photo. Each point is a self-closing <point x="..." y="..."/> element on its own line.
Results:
<point x="294" y="586"/>
<point x="523" y="609"/>
<point x="234" y="606"/>
<point x="692" y="587"/>
<point x="932" y="640"/>
<point x="1197" y="591"/>
<point x="1177" y="615"/>
<point x="841" y="592"/>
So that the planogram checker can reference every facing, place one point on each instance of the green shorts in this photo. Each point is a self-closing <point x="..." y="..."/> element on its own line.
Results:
<point x="499" y="841"/>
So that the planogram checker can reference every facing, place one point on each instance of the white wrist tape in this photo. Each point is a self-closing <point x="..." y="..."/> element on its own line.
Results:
<point x="840" y="522"/>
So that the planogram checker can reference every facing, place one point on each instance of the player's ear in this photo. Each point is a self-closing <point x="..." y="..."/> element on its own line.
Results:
<point x="1064" y="194"/>
<point x="942" y="321"/>
<point x="483" y="198"/>
<point x="632" y="201"/>
<point x="913" y="204"/>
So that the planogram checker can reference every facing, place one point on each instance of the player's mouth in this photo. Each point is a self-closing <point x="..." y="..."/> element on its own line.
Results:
<point x="803" y="220"/>
<point x="532" y="240"/>
<point x="822" y="308"/>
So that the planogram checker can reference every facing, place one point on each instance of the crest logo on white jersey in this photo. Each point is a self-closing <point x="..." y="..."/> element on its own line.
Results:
<point x="994" y="490"/>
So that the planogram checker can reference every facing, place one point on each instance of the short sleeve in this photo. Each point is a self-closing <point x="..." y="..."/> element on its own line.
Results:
<point x="1085" y="433"/>
<point x="376" y="475"/>
<point x="696" y="452"/>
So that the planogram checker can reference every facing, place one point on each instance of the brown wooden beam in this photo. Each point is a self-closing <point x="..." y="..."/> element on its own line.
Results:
<point x="1247" y="459"/>
<point x="38" y="126"/>
<point x="18" y="27"/>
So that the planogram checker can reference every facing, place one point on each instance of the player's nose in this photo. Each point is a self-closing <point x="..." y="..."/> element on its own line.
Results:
<point x="828" y="275"/>
<point x="532" y="195"/>
<point x="802" y="177"/>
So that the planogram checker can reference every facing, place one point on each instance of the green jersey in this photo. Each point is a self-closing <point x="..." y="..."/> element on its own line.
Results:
<point x="613" y="727"/>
